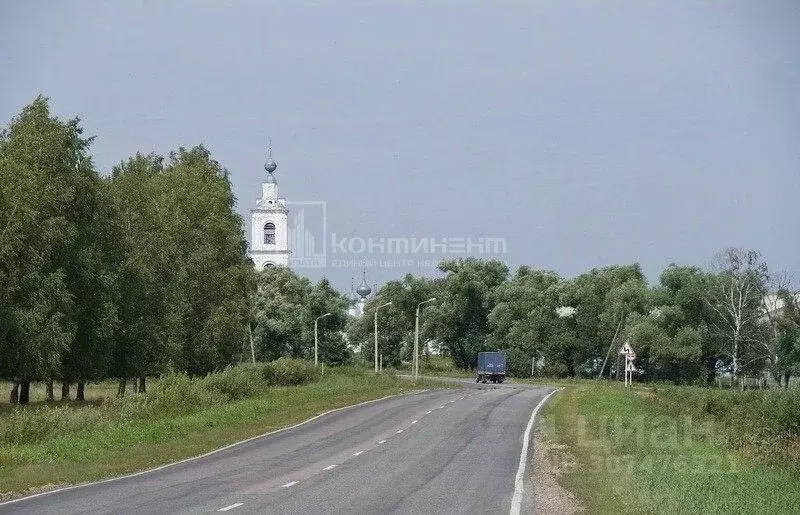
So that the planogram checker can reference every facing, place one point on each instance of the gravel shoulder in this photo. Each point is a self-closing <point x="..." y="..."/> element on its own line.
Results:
<point x="550" y="461"/>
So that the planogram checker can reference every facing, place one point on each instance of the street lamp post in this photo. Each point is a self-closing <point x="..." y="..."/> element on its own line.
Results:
<point x="376" y="334"/>
<point x="416" y="338"/>
<point x="316" y="338"/>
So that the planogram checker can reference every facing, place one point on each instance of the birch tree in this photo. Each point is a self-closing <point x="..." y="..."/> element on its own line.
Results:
<point x="736" y="299"/>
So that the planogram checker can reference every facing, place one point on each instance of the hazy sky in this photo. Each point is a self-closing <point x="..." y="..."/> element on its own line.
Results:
<point x="584" y="133"/>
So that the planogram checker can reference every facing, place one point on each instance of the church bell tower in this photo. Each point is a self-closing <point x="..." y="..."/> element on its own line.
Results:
<point x="269" y="221"/>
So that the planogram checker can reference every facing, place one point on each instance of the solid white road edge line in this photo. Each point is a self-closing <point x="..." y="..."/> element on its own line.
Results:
<point x="291" y="483"/>
<point x="232" y="506"/>
<point x="516" y="500"/>
<point x="215" y="451"/>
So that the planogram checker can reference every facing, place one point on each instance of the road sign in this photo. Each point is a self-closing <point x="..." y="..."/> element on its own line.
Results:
<point x="627" y="350"/>
<point x="629" y="366"/>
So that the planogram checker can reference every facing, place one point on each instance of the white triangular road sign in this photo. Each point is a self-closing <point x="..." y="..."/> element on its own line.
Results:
<point x="627" y="350"/>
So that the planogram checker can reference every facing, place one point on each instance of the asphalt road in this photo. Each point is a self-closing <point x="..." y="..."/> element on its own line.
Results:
<point x="454" y="451"/>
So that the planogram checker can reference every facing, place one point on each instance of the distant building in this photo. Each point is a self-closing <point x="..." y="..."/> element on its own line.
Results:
<point x="358" y="298"/>
<point x="269" y="221"/>
<point x="774" y="304"/>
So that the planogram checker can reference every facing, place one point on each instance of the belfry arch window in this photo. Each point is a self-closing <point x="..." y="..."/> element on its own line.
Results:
<point x="269" y="233"/>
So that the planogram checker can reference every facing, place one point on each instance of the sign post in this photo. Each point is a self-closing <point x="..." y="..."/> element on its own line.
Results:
<point x="630" y="355"/>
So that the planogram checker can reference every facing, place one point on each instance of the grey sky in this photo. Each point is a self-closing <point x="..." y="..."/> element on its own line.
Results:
<point x="585" y="133"/>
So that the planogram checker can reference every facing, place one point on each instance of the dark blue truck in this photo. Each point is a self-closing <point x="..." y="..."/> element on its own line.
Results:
<point x="491" y="367"/>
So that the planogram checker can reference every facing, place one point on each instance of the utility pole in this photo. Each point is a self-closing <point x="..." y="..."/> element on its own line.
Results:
<point x="610" y="347"/>
<point x="415" y="360"/>
<point x="252" y="349"/>
<point x="316" y="338"/>
<point x="376" y="335"/>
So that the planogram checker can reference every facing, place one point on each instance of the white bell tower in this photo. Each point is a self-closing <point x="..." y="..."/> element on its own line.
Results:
<point x="269" y="222"/>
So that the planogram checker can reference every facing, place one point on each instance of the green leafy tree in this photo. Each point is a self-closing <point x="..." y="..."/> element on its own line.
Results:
<point x="145" y="270"/>
<point x="461" y="319"/>
<point x="280" y="314"/>
<point x="42" y="163"/>
<point x="681" y="297"/>
<point x="324" y="298"/>
<point x="397" y="321"/>
<point x="603" y="298"/>
<point x="525" y="317"/>
<point x="788" y="336"/>
<point x="209" y="295"/>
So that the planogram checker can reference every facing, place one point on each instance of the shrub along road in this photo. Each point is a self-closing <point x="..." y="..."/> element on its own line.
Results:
<point x="446" y="451"/>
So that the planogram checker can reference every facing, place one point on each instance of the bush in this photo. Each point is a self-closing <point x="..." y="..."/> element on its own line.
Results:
<point x="519" y="363"/>
<point x="289" y="372"/>
<point x="173" y="394"/>
<point x="238" y="382"/>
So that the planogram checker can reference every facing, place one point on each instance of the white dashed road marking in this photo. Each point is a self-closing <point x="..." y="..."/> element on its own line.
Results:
<point x="287" y="485"/>
<point x="357" y="453"/>
<point x="413" y="421"/>
<point x="441" y="407"/>
<point x="232" y="506"/>
<point x="399" y="431"/>
<point x="429" y="412"/>
<point x="329" y="467"/>
<point x="382" y="441"/>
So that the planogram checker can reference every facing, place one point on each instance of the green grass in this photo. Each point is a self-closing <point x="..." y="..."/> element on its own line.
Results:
<point x="633" y="455"/>
<point x="113" y="446"/>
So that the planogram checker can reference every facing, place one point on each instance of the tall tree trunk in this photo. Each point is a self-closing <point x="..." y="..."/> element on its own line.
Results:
<point x="142" y="384"/>
<point x="79" y="394"/>
<point x="123" y="383"/>
<point x="64" y="391"/>
<point x="786" y="377"/>
<point x="24" y="392"/>
<point x="14" y="397"/>
<point x="49" y="385"/>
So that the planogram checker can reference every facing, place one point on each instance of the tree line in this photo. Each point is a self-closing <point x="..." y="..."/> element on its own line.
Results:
<point x="144" y="269"/>
<point x="692" y="326"/>
<point x="137" y="271"/>
<point x="121" y="275"/>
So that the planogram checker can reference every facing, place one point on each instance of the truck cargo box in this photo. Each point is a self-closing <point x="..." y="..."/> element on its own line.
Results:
<point x="491" y="367"/>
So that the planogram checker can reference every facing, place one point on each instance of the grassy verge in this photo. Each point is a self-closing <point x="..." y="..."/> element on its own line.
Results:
<point x="631" y="453"/>
<point x="113" y="446"/>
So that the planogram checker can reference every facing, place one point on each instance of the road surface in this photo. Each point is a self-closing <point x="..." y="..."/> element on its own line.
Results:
<point x="453" y="451"/>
